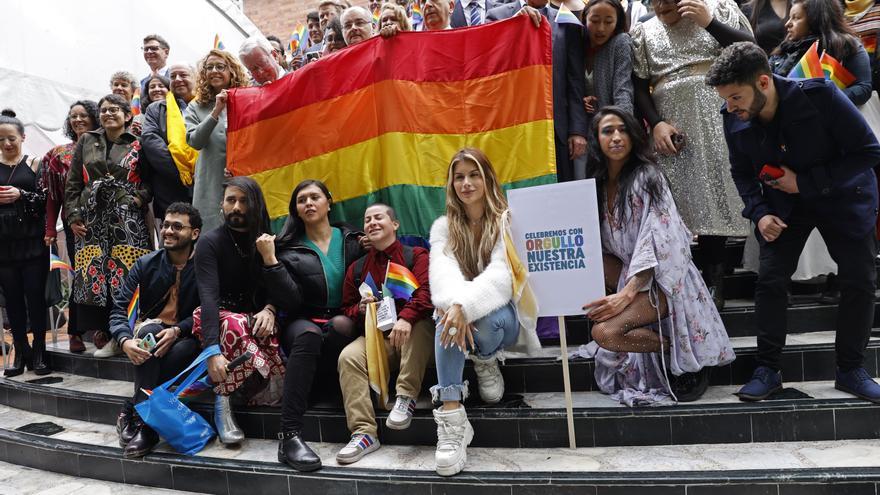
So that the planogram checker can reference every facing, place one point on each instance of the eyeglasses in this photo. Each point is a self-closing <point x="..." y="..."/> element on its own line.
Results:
<point x="216" y="67"/>
<point x="155" y="48"/>
<point x="175" y="227"/>
<point x="107" y="110"/>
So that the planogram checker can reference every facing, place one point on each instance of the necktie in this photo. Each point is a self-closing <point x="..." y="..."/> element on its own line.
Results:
<point x="475" y="14"/>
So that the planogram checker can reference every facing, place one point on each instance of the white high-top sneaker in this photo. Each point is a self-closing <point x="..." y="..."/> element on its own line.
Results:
<point x="454" y="434"/>
<point x="489" y="379"/>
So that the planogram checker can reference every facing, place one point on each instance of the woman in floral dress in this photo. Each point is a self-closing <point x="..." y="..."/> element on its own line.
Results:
<point x="658" y="330"/>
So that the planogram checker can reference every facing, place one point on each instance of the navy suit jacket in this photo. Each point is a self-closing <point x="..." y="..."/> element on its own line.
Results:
<point x="459" y="16"/>
<point x="569" y="116"/>
<point x="822" y="136"/>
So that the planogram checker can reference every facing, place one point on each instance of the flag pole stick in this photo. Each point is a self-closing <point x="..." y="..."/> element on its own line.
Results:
<point x="566" y="382"/>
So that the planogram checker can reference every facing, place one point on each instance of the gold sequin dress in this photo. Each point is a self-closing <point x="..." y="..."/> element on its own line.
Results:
<point x="675" y="60"/>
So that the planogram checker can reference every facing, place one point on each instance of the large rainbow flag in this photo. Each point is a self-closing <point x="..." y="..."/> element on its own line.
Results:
<point x="379" y="121"/>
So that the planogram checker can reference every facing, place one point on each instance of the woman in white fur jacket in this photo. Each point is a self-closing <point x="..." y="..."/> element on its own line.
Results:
<point x="471" y="288"/>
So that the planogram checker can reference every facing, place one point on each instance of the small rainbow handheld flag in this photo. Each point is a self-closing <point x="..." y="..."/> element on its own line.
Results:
<point x="296" y="37"/>
<point x="870" y="44"/>
<point x="218" y="45"/>
<point x="133" y="307"/>
<point x="417" y="18"/>
<point x="808" y="66"/>
<point x="400" y="281"/>
<point x="566" y="16"/>
<point x="836" y="72"/>
<point x="376" y="17"/>
<point x="56" y="263"/>
<point x="136" y="102"/>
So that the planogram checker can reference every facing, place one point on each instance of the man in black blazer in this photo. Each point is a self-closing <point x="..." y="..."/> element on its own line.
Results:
<point x="569" y="116"/>
<point x="824" y="154"/>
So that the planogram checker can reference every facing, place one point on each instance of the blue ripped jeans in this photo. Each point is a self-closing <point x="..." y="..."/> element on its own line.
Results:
<point x="494" y="331"/>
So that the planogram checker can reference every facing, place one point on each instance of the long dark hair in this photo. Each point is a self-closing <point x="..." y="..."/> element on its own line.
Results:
<point x="641" y="158"/>
<point x="257" y="216"/>
<point x="825" y="20"/>
<point x="622" y="25"/>
<point x="294" y="227"/>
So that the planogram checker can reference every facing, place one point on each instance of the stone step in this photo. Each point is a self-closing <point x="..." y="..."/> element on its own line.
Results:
<point x="805" y="315"/>
<point x="89" y="450"/>
<point x="806" y="411"/>
<point x="807" y="357"/>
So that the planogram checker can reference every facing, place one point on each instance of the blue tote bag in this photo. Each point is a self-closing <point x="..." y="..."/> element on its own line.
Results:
<point x="184" y="430"/>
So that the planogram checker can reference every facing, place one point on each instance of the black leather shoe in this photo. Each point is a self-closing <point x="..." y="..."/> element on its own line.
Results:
<point x="37" y="362"/>
<point x="295" y="452"/>
<point x="22" y="356"/>
<point x="127" y="424"/>
<point x="142" y="444"/>
<point x="689" y="387"/>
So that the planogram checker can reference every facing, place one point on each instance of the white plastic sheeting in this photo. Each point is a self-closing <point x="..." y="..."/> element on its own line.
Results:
<point x="54" y="52"/>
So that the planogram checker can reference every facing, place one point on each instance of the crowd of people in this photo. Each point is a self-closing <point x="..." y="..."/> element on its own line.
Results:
<point x="690" y="129"/>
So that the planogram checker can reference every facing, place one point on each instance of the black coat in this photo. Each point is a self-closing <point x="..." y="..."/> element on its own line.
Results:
<point x="155" y="275"/>
<point x="160" y="170"/>
<point x="823" y="137"/>
<point x="299" y="276"/>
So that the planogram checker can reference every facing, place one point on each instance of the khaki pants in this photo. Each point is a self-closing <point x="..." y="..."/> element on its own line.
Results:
<point x="355" y="382"/>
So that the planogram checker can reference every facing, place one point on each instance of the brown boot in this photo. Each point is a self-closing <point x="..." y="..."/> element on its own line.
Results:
<point x="75" y="344"/>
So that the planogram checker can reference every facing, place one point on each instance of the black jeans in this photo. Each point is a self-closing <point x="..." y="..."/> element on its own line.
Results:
<point x="857" y="276"/>
<point x="24" y="287"/>
<point x="309" y="347"/>
<point x="157" y="370"/>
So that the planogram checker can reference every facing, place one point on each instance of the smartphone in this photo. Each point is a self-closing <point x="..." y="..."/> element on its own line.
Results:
<point x="147" y="343"/>
<point x="770" y="172"/>
<point x="678" y="140"/>
<point x="311" y="57"/>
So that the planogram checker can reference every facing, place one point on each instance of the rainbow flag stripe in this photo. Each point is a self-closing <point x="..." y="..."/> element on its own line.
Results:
<point x="376" y="17"/>
<point x="403" y="121"/>
<point x="566" y="16"/>
<point x="296" y="37"/>
<point x="56" y="263"/>
<point x="809" y="66"/>
<point x="870" y="44"/>
<point x="835" y="72"/>
<point x="218" y="45"/>
<point x="136" y="102"/>
<point x="417" y="19"/>
<point x="133" y="306"/>
<point x="400" y="281"/>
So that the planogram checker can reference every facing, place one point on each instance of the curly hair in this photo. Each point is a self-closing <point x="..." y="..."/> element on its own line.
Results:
<point x="238" y="79"/>
<point x="739" y="63"/>
<point x="91" y="110"/>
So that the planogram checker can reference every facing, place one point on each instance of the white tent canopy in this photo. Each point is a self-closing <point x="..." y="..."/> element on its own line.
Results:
<point x="54" y="52"/>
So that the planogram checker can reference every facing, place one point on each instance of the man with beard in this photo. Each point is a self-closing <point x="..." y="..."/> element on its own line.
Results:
<point x="236" y="312"/>
<point x="162" y="168"/>
<point x="802" y="157"/>
<point x="168" y="296"/>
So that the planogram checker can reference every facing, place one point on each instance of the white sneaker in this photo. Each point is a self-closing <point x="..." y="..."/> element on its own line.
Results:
<point x="454" y="434"/>
<point x="489" y="379"/>
<point x="109" y="350"/>
<point x="360" y="445"/>
<point x="401" y="414"/>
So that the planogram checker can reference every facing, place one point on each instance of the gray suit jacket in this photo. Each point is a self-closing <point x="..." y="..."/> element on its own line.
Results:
<point x="459" y="16"/>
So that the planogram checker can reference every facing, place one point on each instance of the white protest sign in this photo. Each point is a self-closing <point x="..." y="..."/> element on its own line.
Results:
<point x="556" y="232"/>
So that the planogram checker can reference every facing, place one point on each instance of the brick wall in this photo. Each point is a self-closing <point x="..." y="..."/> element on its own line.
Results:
<point x="279" y="17"/>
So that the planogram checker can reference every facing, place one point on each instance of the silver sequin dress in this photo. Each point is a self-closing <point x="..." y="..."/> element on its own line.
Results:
<point x="675" y="60"/>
